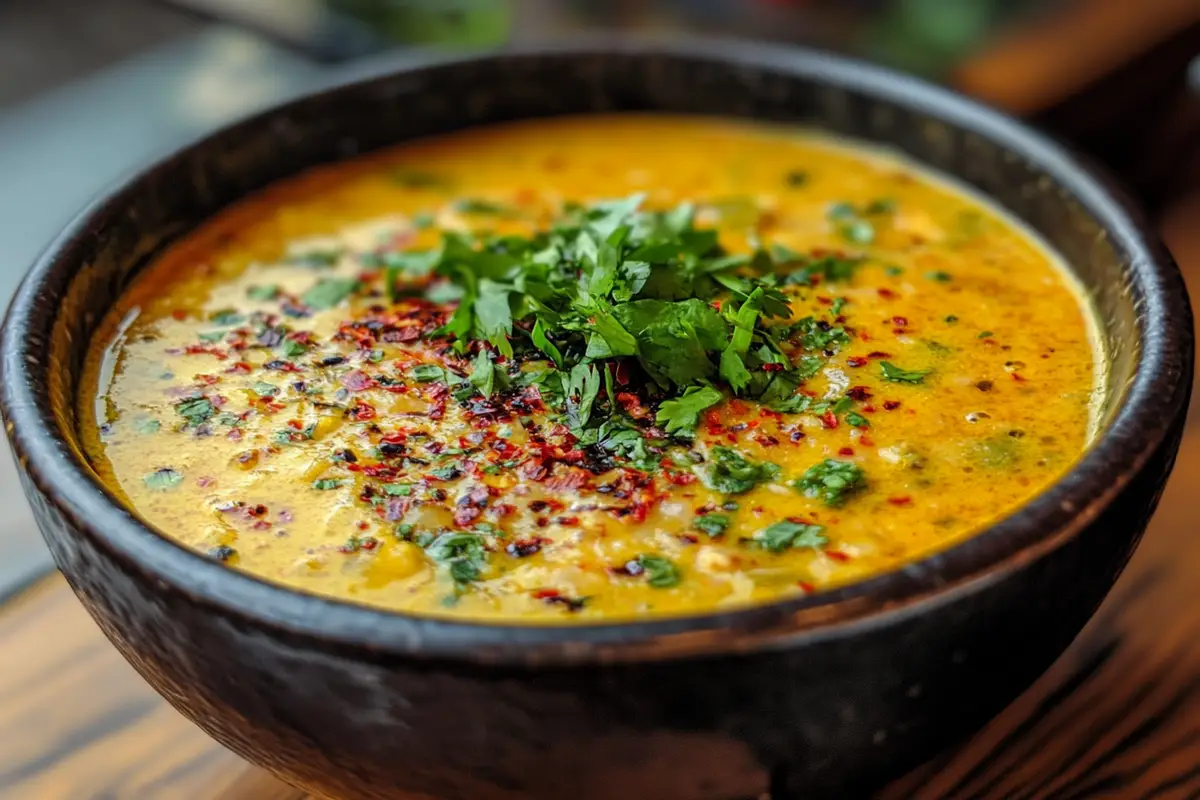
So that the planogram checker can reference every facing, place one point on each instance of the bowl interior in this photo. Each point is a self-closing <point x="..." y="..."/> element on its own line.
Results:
<point x="1128" y="280"/>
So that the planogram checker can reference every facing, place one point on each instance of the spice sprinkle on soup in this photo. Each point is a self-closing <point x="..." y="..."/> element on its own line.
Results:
<point x="601" y="367"/>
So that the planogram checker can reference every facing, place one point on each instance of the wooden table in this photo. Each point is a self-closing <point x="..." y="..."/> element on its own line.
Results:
<point x="1118" y="716"/>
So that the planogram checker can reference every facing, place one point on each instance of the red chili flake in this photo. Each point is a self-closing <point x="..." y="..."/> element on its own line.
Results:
<point x="361" y="412"/>
<point x="179" y="314"/>
<point x="523" y="548"/>
<point x="772" y="367"/>
<point x="837" y="555"/>
<point x="261" y="525"/>
<point x="825" y="301"/>
<point x="866" y="441"/>
<point x="856" y="361"/>
<point x="621" y="373"/>
<point x="829" y="419"/>
<point x="859" y="393"/>
<point x="1016" y="376"/>
<point x="362" y="526"/>
<point x="807" y="587"/>
<point x="766" y="412"/>
<point x="891" y="405"/>
<point x="887" y="294"/>
<point x="545" y="594"/>
<point x="238" y="368"/>
<point x="765" y="440"/>
<point x="866" y="337"/>
<point x="572" y="520"/>
<point x="198" y="349"/>
<point x="900" y="500"/>
<point x="878" y="354"/>
<point x="256" y="511"/>
<point x="737" y="407"/>
<point x="690" y="538"/>
<point x="633" y="405"/>
<point x="869" y="408"/>
<point x="357" y="380"/>
<point x="901" y="321"/>
<point x="681" y="478"/>
<point x="846" y="451"/>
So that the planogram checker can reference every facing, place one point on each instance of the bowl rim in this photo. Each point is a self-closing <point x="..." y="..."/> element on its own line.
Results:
<point x="1155" y="398"/>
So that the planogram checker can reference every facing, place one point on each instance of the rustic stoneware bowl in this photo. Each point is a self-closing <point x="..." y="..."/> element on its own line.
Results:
<point x="822" y="695"/>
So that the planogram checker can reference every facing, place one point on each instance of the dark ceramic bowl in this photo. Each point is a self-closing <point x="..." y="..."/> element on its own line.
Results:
<point x="822" y="695"/>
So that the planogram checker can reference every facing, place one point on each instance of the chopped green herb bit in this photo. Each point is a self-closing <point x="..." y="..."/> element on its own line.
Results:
<point x="292" y="348"/>
<point x="212" y="336"/>
<point x="899" y="375"/>
<point x="326" y="484"/>
<point x="397" y="489"/>
<point x="328" y="292"/>
<point x="662" y="573"/>
<point x="463" y="554"/>
<point x="796" y="178"/>
<point x="985" y="335"/>
<point x="163" y="479"/>
<point x="228" y="316"/>
<point x="857" y="420"/>
<point x="416" y="179"/>
<point x="729" y="472"/>
<point x="831" y="480"/>
<point x="474" y="205"/>
<point x="683" y="413"/>
<point x="426" y="373"/>
<point x="939" y="276"/>
<point x="269" y="292"/>
<point x="786" y="535"/>
<point x="318" y="259"/>
<point x="712" y="524"/>
<point x="195" y="410"/>
<point x="264" y="389"/>
<point x="893" y="271"/>
<point x="148" y="426"/>
<point x="951" y="319"/>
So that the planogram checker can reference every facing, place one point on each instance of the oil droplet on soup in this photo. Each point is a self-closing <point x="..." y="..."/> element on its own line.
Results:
<point x="586" y="368"/>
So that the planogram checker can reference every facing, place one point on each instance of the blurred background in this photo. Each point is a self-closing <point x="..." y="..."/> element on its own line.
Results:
<point x="89" y="90"/>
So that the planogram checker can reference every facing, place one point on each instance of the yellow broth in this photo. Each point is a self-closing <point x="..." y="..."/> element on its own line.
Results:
<point x="250" y="400"/>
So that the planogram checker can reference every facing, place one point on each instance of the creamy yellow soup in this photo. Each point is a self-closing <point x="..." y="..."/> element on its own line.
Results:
<point x="601" y="367"/>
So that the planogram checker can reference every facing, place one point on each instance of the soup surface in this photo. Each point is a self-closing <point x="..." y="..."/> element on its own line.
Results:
<point x="592" y="367"/>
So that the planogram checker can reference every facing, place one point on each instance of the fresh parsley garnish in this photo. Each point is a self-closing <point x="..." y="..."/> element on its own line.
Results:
<point x="786" y="535"/>
<point x="729" y="472"/>
<point x="195" y="410"/>
<point x="712" y="524"/>
<point x="899" y="375"/>
<point x="683" y="413"/>
<point x="661" y="572"/>
<point x="831" y="480"/>
<point x="162" y="479"/>
<point x="328" y="292"/>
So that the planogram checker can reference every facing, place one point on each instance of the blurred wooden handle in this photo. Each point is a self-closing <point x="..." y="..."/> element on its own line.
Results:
<point x="1112" y="78"/>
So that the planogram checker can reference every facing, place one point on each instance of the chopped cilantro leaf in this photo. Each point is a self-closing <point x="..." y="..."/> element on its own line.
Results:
<point x="786" y="535"/>
<point x="898" y="375"/>
<point x="426" y="373"/>
<point x="939" y="276"/>
<point x="269" y="292"/>
<point x="831" y="480"/>
<point x="162" y="479"/>
<point x="661" y="572"/>
<point x="328" y="292"/>
<point x="729" y="472"/>
<point x="326" y="484"/>
<point x="195" y="410"/>
<point x="857" y="420"/>
<point x="683" y="413"/>
<point x="985" y="335"/>
<point x="711" y="524"/>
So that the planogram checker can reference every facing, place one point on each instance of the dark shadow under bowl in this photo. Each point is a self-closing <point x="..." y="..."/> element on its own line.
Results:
<point x="824" y="695"/>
